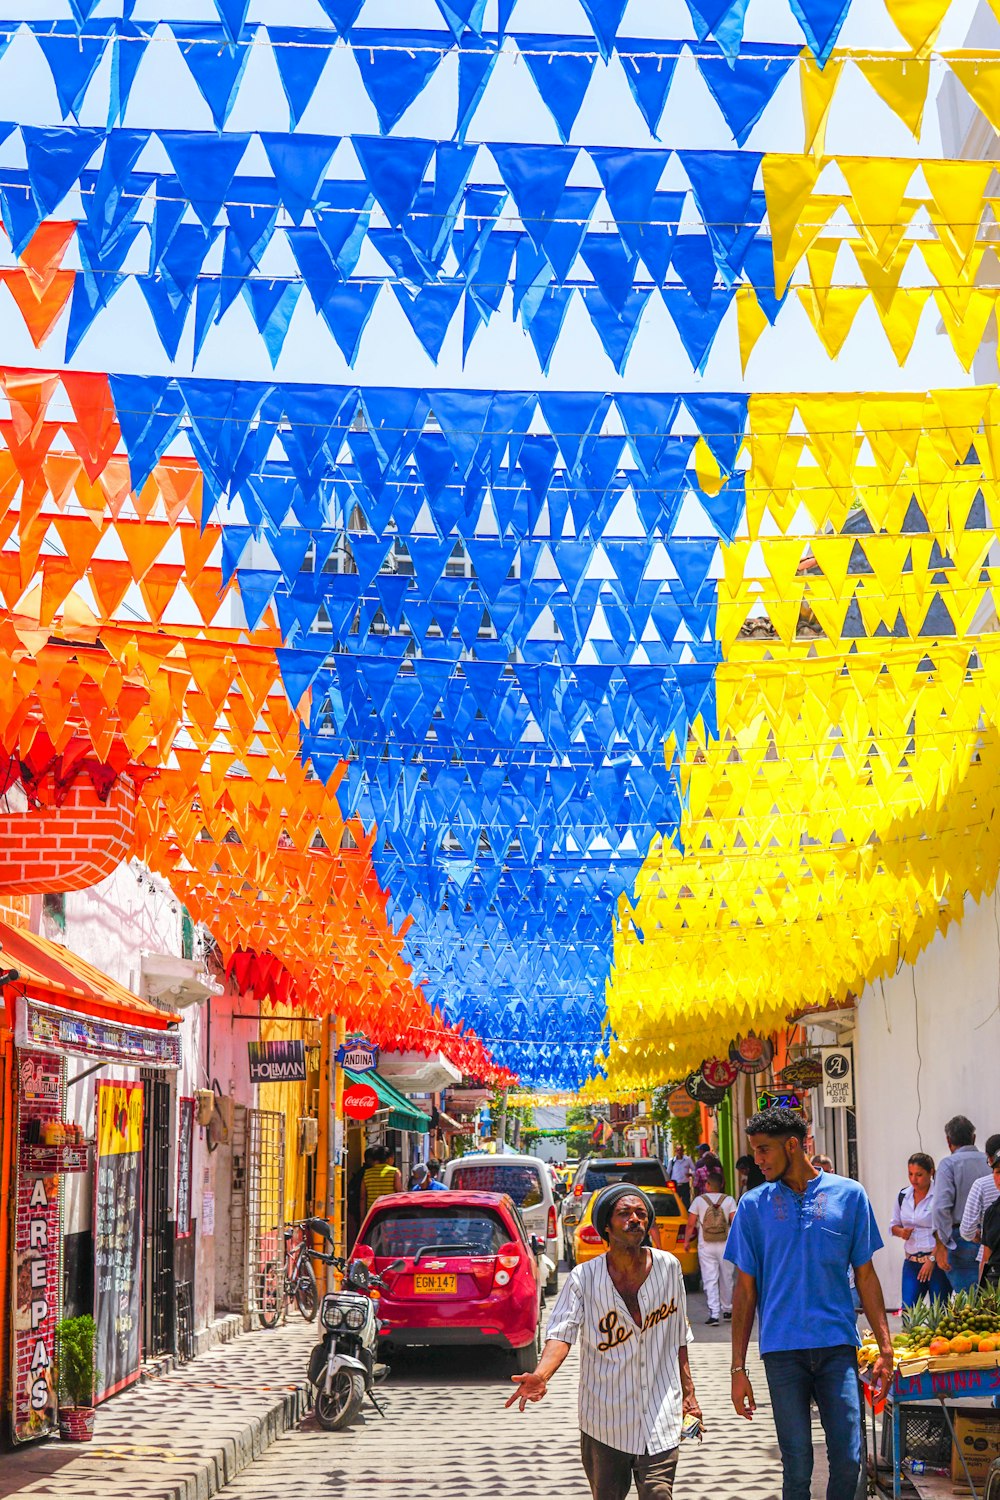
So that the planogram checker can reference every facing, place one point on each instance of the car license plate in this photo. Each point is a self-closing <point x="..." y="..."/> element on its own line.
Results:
<point x="435" y="1283"/>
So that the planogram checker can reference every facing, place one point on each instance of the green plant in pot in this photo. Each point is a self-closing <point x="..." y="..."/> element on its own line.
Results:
<point x="75" y="1340"/>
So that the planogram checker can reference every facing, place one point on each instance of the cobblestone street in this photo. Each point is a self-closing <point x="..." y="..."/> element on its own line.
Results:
<point x="447" y="1435"/>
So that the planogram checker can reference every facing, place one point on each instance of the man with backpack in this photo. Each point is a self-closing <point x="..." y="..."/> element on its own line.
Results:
<point x="710" y="1217"/>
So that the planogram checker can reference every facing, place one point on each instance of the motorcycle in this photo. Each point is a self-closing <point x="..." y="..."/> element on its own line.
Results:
<point x="342" y="1367"/>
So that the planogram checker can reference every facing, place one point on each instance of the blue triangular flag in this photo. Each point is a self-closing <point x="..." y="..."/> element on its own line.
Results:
<point x="394" y="170"/>
<point x="110" y="206"/>
<point x="492" y="560"/>
<point x="546" y="322"/>
<point x="319" y="272"/>
<point x="429" y="311"/>
<point x="694" y="262"/>
<point x="605" y="17"/>
<point x="536" y="176"/>
<point x="216" y="65"/>
<point x="346" y="310"/>
<point x="721" y="419"/>
<point x="821" y="21"/>
<point x="692" y="559"/>
<point x="562" y="68"/>
<point x="131" y="42"/>
<point x="149" y="409"/>
<point x="725" y="509"/>
<point x="290" y="545"/>
<point x="463" y="15"/>
<point x="299" y="670"/>
<point x="342" y="217"/>
<point x="56" y="156"/>
<point x="343" y="13"/>
<point x="475" y="64"/>
<point x="205" y="167"/>
<point x="184" y="255"/>
<point x="256" y="586"/>
<point x="271" y="301"/>
<point x="649" y="72"/>
<point x="395" y="68"/>
<point x="722" y="19"/>
<point x="207" y="304"/>
<point x="722" y="184"/>
<point x="300" y="63"/>
<point x="396" y="417"/>
<point x="232" y="14"/>
<point x="648" y="421"/>
<point x="299" y="164"/>
<point x="169" y="309"/>
<point x="611" y="266"/>
<point x="616" y="327"/>
<point x="696" y="324"/>
<point x="562" y="239"/>
<point x="73" y="57"/>
<point x="463" y="417"/>
<point x="21" y="213"/>
<point x="572" y="417"/>
<point x="743" y="89"/>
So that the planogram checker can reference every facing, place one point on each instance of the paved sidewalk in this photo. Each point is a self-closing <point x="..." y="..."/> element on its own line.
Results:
<point x="181" y="1437"/>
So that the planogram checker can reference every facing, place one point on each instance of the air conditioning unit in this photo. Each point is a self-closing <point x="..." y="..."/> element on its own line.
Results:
<point x="308" y="1135"/>
<point x="205" y="1105"/>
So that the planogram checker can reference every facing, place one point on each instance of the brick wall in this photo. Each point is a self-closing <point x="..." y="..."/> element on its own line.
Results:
<point x="67" y="848"/>
<point x="15" y="910"/>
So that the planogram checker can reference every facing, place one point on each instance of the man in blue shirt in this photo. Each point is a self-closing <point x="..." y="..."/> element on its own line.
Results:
<point x="793" y="1241"/>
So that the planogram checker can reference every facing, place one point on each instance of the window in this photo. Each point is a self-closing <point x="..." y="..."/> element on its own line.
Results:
<point x="521" y="1183"/>
<point x="463" y="1230"/>
<point x="643" y="1174"/>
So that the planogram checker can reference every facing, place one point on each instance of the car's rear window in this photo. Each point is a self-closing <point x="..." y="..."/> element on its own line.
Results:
<point x="644" y="1174"/>
<point x="667" y="1204"/>
<point x="460" y="1229"/>
<point x="520" y="1182"/>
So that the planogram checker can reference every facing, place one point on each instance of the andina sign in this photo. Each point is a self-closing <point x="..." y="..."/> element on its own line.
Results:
<point x="277" y="1062"/>
<point x="358" y="1055"/>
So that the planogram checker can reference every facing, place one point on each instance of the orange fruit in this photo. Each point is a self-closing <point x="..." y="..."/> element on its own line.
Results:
<point x="987" y="1346"/>
<point x="961" y="1344"/>
<point x="939" y="1348"/>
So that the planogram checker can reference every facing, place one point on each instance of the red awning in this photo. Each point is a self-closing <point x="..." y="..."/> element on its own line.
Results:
<point x="52" y="974"/>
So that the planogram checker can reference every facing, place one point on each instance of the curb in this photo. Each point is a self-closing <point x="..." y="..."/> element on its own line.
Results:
<point x="237" y="1453"/>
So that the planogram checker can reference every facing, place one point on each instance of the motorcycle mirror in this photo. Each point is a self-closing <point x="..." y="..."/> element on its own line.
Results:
<point x="396" y="1265"/>
<point x="359" y="1273"/>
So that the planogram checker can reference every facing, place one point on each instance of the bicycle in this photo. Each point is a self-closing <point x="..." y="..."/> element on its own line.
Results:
<point x="293" y="1281"/>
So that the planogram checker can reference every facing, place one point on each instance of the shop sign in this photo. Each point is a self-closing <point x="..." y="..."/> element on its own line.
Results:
<point x="637" y="1133"/>
<point x="838" y="1077"/>
<point x="770" y="1099"/>
<point x="803" y="1073"/>
<point x="277" y="1062"/>
<point x="35" y="1282"/>
<point x="185" y="1146"/>
<point x="701" y="1090"/>
<point x="48" y="1028"/>
<point x="358" y="1055"/>
<point x="719" y="1073"/>
<point x="118" y="1234"/>
<point x="751" y="1054"/>
<point x="360" y="1101"/>
<point x="680" y="1104"/>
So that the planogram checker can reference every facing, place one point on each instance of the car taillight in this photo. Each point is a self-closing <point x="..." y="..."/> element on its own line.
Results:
<point x="509" y="1256"/>
<point x="578" y="1190"/>
<point x="589" y="1235"/>
<point x="551" y="1231"/>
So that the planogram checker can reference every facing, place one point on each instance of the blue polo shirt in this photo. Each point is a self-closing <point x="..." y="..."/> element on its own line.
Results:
<point x="798" y="1247"/>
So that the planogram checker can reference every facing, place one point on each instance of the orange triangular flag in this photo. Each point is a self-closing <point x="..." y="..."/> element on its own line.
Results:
<point x="142" y="544"/>
<point x="41" y="308"/>
<point x="158" y="586"/>
<point x="110" y="581"/>
<point x="80" y="537"/>
<point x="43" y="254"/>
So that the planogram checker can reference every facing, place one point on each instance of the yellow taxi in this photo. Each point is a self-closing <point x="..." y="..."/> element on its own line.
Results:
<point x="671" y="1218"/>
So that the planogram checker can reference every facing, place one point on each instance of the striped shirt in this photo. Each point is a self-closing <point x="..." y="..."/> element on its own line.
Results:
<point x="379" y="1180"/>
<point x="982" y="1195"/>
<point x="630" y="1383"/>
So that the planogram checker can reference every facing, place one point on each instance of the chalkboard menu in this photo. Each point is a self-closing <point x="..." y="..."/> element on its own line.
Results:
<point x="185" y="1141"/>
<point x="118" y="1235"/>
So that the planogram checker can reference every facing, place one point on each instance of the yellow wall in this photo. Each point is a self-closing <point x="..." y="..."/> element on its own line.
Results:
<point x="291" y="1100"/>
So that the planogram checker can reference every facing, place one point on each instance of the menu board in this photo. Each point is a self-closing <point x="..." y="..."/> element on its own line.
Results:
<point x="185" y="1144"/>
<point x="37" y="1247"/>
<point x="118" y="1235"/>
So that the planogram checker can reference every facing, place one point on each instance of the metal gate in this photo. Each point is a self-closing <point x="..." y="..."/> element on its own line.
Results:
<point x="265" y="1210"/>
<point x="158" y="1238"/>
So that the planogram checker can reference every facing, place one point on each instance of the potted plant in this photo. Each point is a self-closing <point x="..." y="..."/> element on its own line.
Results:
<point x="75" y="1338"/>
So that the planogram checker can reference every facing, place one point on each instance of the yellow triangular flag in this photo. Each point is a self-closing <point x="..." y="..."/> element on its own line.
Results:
<point x="788" y="185"/>
<point x="821" y="259"/>
<point x="878" y="186"/>
<point x="833" y="553"/>
<point x="967" y="333"/>
<point x="902" y="319"/>
<point x="918" y="21"/>
<point x="957" y="189"/>
<point x="818" y="88"/>
<point x="980" y="77"/>
<point x="901" y="82"/>
<point x="834" y="322"/>
<point x="750" y="322"/>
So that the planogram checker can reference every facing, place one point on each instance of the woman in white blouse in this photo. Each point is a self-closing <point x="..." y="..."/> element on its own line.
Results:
<point x="912" y="1223"/>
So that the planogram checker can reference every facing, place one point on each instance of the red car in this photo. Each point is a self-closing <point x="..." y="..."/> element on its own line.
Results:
<point x="471" y="1273"/>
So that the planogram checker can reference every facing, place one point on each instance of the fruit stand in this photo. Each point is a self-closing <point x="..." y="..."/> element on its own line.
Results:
<point x="946" y="1352"/>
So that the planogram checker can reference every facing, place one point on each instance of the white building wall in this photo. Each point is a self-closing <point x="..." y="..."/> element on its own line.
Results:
<point x="927" y="1047"/>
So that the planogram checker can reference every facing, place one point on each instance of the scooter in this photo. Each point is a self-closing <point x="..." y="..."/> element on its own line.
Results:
<point x="342" y="1367"/>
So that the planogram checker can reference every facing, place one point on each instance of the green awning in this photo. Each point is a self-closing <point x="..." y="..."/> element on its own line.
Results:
<point x="403" y="1114"/>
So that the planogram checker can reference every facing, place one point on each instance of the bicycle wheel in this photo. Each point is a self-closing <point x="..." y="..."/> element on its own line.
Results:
<point x="306" y="1290"/>
<point x="269" y="1294"/>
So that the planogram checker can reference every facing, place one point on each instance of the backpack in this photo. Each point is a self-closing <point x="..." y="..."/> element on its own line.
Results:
<point x="714" y="1225"/>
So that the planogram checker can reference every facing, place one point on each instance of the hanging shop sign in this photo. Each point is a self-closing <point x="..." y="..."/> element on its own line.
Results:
<point x="185" y="1147"/>
<point x="773" y="1099"/>
<point x="118" y="1235"/>
<point x="803" y="1073"/>
<point x="360" y="1101"/>
<point x="358" y="1055"/>
<point x="751" y="1054"/>
<point x="838" y="1077"/>
<point x="277" y="1062"/>
<point x="702" y="1091"/>
<point x="47" y="1027"/>
<point x="36" y="1241"/>
<point x="680" y="1104"/>
<point x="719" y="1073"/>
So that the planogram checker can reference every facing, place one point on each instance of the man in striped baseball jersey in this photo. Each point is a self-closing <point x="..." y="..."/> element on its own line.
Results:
<point x="628" y="1310"/>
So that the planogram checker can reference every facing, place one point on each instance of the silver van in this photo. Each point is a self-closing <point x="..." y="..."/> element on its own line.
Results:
<point x="525" y="1179"/>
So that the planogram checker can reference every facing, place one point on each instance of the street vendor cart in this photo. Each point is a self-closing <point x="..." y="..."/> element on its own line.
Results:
<point x="943" y="1381"/>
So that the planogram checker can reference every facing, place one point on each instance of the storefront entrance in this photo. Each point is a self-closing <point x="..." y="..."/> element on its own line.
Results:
<point x="158" y="1238"/>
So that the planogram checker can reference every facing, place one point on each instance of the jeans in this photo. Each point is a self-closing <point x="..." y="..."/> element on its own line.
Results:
<point x="610" y="1472"/>
<point x="796" y="1378"/>
<point x="913" y="1290"/>
<point x="963" y="1257"/>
